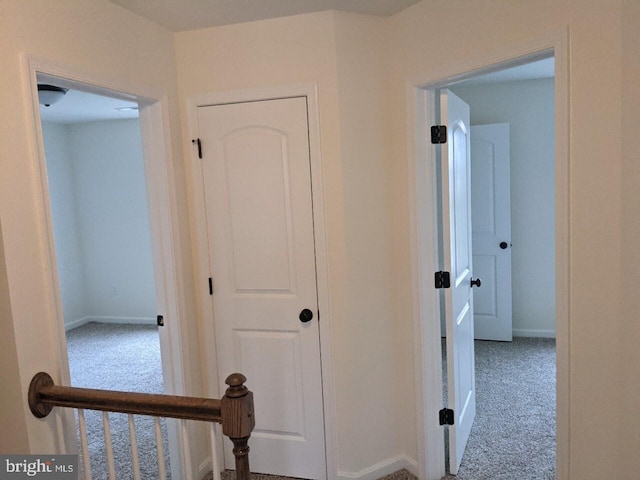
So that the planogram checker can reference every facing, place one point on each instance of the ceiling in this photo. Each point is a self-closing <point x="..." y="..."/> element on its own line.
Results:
<point x="77" y="106"/>
<point x="193" y="14"/>
<point x="529" y="71"/>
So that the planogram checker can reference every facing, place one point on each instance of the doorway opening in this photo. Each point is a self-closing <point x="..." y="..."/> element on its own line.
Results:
<point x="98" y="199"/>
<point x="513" y="251"/>
<point x="429" y="226"/>
<point x="116" y="191"/>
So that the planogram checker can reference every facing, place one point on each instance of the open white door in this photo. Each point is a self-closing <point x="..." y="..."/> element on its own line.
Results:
<point x="491" y="212"/>
<point x="456" y="235"/>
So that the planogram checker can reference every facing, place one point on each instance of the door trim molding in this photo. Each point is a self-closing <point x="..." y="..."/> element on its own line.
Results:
<point x="154" y="125"/>
<point x="201" y="250"/>
<point x="424" y="231"/>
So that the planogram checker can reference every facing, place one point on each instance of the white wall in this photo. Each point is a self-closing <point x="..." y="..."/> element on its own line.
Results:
<point x="629" y="326"/>
<point x="474" y="31"/>
<point x="98" y="37"/>
<point x="292" y="50"/>
<point x="12" y="415"/>
<point x="299" y="49"/>
<point x="345" y="55"/>
<point x="69" y="248"/>
<point x="528" y="107"/>
<point x="101" y="221"/>
<point x="92" y="39"/>
<point x="113" y="218"/>
<point x="370" y="348"/>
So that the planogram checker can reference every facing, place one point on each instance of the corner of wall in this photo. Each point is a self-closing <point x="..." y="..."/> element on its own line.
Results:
<point x="382" y="469"/>
<point x="12" y="403"/>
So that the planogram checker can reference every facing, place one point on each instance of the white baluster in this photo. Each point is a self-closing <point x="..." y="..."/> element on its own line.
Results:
<point x="214" y="453"/>
<point x="186" y="450"/>
<point x="84" y="444"/>
<point x="134" y="449"/>
<point x="162" y="469"/>
<point x="108" y="446"/>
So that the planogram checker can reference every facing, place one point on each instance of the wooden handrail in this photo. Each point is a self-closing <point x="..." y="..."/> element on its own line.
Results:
<point x="48" y="395"/>
<point x="234" y="410"/>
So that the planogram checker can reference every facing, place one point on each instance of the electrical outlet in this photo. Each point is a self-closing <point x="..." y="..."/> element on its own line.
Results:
<point x="114" y="291"/>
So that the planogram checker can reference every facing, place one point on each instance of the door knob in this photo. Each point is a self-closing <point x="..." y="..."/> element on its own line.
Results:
<point x="504" y="245"/>
<point x="306" y="315"/>
<point x="476" y="283"/>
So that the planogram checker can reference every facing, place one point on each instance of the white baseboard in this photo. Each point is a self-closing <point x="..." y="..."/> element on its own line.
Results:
<point x="76" y="323"/>
<point x="523" y="332"/>
<point x="381" y="469"/>
<point x="374" y="472"/>
<point x="128" y="320"/>
<point x="122" y="320"/>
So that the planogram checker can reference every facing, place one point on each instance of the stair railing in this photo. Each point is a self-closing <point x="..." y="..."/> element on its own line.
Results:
<point x="234" y="411"/>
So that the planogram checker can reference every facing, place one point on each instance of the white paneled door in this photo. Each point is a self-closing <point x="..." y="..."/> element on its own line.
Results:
<point x="457" y="239"/>
<point x="260" y="226"/>
<point x="491" y="212"/>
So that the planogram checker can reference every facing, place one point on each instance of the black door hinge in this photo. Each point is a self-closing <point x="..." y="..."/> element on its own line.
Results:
<point x="446" y="416"/>
<point x="199" y="143"/>
<point x="160" y="320"/>
<point x="210" y="286"/>
<point x="439" y="134"/>
<point x="443" y="280"/>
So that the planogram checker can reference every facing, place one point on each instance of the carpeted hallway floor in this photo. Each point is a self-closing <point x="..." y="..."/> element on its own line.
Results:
<point x="513" y="436"/>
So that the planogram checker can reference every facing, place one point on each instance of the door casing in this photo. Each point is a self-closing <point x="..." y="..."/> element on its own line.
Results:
<point x="424" y="234"/>
<point x="201" y="247"/>
<point x="154" y="121"/>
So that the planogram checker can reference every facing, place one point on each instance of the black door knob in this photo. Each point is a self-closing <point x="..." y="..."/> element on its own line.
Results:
<point x="306" y="315"/>
<point x="476" y="283"/>
<point x="504" y="245"/>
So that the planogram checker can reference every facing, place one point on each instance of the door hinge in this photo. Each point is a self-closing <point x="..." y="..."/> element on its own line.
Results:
<point x="199" y="143"/>
<point x="160" y="320"/>
<point x="210" y="286"/>
<point x="439" y="134"/>
<point x="443" y="280"/>
<point x="446" y="416"/>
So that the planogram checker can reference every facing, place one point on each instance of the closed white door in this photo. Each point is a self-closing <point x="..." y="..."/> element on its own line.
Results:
<point x="491" y="213"/>
<point x="260" y="225"/>
<point x="456" y="219"/>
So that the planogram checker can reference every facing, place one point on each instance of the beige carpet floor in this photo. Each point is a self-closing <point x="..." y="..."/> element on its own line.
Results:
<point x="513" y="437"/>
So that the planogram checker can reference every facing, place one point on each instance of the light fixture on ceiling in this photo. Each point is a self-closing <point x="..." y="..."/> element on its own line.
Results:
<point x="125" y="109"/>
<point x="50" y="94"/>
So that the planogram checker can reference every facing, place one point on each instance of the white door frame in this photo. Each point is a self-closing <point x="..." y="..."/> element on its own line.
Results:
<point x="156" y="142"/>
<point x="201" y="249"/>
<point x="421" y="114"/>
